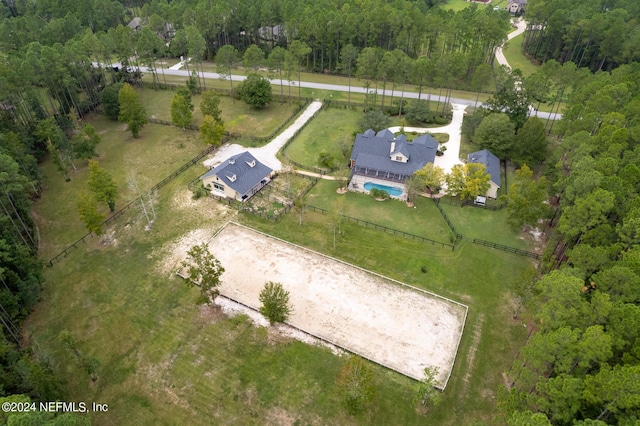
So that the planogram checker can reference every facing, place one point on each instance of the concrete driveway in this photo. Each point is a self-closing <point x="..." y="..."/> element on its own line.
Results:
<point x="451" y="156"/>
<point x="266" y="154"/>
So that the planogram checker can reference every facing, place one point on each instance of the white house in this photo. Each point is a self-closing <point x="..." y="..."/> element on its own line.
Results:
<point x="239" y="177"/>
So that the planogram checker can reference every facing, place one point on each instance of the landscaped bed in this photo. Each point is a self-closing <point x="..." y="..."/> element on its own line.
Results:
<point x="397" y="326"/>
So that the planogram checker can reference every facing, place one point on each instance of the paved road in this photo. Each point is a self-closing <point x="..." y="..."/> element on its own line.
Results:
<point x="341" y="88"/>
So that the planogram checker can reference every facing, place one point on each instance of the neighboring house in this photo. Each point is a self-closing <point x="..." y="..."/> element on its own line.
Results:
<point x="238" y="177"/>
<point x="492" y="163"/>
<point x="378" y="160"/>
<point x="516" y="7"/>
<point x="136" y="23"/>
<point x="166" y="34"/>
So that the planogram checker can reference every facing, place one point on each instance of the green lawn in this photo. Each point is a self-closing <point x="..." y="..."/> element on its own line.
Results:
<point x="514" y="55"/>
<point x="164" y="360"/>
<point x="323" y="134"/>
<point x="239" y="118"/>
<point x="457" y="5"/>
<point x="423" y="219"/>
<point x="489" y="225"/>
<point x="155" y="154"/>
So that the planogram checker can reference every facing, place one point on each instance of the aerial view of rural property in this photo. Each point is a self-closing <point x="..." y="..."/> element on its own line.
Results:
<point x="320" y="212"/>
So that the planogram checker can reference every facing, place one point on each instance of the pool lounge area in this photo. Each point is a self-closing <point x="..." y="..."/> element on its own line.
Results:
<point x="366" y="183"/>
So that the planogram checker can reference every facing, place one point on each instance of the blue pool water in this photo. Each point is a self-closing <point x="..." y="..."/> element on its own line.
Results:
<point x="391" y="190"/>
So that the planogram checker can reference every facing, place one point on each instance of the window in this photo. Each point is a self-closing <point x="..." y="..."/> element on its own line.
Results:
<point x="218" y="187"/>
<point x="398" y="158"/>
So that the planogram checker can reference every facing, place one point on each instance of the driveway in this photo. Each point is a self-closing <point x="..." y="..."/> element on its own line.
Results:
<point x="266" y="154"/>
<point x="522" y="25"/>
<point x="451" y="156"/>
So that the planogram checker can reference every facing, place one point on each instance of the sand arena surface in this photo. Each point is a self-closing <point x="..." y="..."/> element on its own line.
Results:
<point x="402" y="328"/>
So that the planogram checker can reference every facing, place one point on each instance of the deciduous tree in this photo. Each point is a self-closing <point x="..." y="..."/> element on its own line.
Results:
<point x="210" y="105"/>
<point x="374" y="119"/>
<point x="203" y="270"/>
<point x="530" y="144"/>
<point x="525" y="199"/>
<point x="88" y="212"/>
<point x="496" y="133"/>
<point x="102" y="185"/>
<point x="355" y="384"/>
<point x="212" y="131"/>
<point x="427" y="395"/>
<point x="131" y="110"/>
<point x="180" y="113"/>
<point x="255" y="91"/>
<point x="275" y="302"/>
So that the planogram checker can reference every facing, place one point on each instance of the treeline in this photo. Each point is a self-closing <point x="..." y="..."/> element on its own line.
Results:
<point x="600" y="35"/>
<point x="581" y="365"/>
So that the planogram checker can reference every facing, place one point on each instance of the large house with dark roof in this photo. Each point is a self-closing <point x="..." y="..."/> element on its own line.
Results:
<point x="239" y="177"/>
<point x="492" y="163"/>
<point x="384" y="161"/>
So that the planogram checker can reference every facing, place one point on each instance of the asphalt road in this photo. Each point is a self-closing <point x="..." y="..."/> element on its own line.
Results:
<point x="341" y="88"/>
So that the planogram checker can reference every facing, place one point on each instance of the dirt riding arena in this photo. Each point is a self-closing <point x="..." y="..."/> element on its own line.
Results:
<point x="394" y="325"/>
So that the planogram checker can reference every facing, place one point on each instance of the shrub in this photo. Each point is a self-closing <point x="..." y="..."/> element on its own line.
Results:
<point x="325" y="159"/>
<point x="379" y="193"/>
<point x="355" y="384"/>
<point x="275" y="302"/>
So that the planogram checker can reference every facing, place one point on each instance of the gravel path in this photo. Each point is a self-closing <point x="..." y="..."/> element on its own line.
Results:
<point x="266" y="154"/>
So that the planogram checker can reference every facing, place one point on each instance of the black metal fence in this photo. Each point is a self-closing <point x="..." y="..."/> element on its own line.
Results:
<point x="464" y="203"/>
<point x="507" y="248"/>
<point x="436" y="201"/>
<point x="386" y="229"/>
<point x="64" y="253"/>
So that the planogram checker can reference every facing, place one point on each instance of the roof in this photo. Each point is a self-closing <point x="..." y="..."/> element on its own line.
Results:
<point x="374" y="152"/>
<point x="136" y="23"/>
<point x="491" y="162"/>
<point x="240" y="166"/>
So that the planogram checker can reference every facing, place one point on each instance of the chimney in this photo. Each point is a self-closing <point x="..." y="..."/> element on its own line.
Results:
<point x="393" y="147"/>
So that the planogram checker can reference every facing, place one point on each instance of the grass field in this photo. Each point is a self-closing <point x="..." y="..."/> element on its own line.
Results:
<point x="457" y="5"/>
<point x="164" y="360"/>
<point x="239" y="118"/>
<point x="323" y="134"/>
<point x="423" y="220"/>
<point x="513" y="53"/>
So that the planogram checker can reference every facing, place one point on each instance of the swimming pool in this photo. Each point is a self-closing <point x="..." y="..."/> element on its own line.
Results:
<point x="391" y="190"/>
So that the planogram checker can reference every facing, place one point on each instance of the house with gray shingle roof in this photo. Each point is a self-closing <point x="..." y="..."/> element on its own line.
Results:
<point x="239" y="177"/>
<point x="383" y="160"/>
<point x="516" y="7"/>
<point x="492" y="163"/>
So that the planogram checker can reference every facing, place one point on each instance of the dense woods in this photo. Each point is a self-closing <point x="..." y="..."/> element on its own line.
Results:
<point x="582" y="360"/>
<point x="600" y="35"/>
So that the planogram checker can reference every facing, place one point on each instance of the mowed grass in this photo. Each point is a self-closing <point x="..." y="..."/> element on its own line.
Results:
<point x="323" y="134"/>
<point x="515" y="56"/>
<point x="239" y="118"/>
<point x="472" y="274"/>
<point x="423" y="220"/>
<point x="164" y="360"/>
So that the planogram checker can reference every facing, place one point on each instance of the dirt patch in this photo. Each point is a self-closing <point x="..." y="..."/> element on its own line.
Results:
<point x="396" y="326"/>
<point x="280" y="417"/>
<point x="176" y="252"/>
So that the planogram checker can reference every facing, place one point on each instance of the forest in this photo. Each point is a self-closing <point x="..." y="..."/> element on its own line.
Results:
<point x="582" y="363"/>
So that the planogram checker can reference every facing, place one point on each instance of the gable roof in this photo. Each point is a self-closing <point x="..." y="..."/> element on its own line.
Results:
<point x="491" y="162"/>
<point x="240" y="172"/>
<point x="374" y="152"/>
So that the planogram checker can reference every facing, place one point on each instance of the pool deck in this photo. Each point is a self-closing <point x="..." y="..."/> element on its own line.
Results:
<point x="357" y="184"/>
